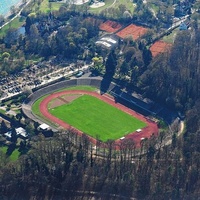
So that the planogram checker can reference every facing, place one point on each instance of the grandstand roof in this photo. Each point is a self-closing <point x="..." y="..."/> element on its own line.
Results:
<point x="44" y="126"/>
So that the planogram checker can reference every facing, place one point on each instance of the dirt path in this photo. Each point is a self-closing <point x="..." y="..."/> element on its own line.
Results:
<point x="182" y="126"/>
<point x="146" y="132"/>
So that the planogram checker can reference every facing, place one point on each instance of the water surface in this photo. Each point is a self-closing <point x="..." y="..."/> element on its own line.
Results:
<point x="6" y="4"/>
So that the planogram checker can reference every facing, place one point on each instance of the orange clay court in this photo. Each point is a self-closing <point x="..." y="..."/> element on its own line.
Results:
<point x="110" y="26"/>
<point x="132" y="30"/>
<point x="159" y="47"/>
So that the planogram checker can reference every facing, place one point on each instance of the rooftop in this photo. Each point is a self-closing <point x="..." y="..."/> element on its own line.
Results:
<point x="43" y="126"/>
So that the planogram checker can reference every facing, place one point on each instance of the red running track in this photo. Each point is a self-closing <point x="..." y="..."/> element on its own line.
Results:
<point x="146" y="132"/>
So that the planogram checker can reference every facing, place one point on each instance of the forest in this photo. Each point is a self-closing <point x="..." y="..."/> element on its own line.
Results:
<point x="173" y="78"/>
<point x="66" y="166"/>
<point x="58" y="168"/>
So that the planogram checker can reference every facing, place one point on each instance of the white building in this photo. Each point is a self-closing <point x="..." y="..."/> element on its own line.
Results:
<point x="21" y="132"/>
<point x="43" y="127"/>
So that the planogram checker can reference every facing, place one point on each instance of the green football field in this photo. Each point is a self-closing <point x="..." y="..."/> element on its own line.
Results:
<point x="97" y="118"/>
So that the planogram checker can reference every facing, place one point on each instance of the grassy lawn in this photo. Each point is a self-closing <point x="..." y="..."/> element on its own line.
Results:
<point x="154" y="7"/>
<point x="17" y="111"/>
<point x="4" y="149"/>
<point x="33" y="59"/>
<point x="36" y="105"/>
<point x="81" y="87"/>
<point x="16" y="23"/>
<point x="2" y="111"/>
<point x="45" y="6"/>
<point x="8" y="102"/>
<point x="36" y="111"/>
<point x="129" y="5"/>
<point x="97" y="118"/>
<point x="19" y="21"/>
<point x="15" y="154"/>
<point x="170" y="38"/>
<point x="98" y="10"/>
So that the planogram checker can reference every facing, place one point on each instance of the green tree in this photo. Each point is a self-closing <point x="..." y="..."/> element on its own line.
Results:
<point x="28" y="24"/>
<point x="19" y="116"/>
<point x="5" y="55"/>
<point x="11" y="37"/>
<point x="110" y="65"/>
<point x="13" y="135"/>
<point x="97" y="67"/>
<point x="3" y="128"/>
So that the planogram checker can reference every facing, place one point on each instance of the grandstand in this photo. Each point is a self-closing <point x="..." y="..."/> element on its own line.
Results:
<point x="83" y="82"/>
<point x="95" y="83"/>
<point x="144" y="106"/>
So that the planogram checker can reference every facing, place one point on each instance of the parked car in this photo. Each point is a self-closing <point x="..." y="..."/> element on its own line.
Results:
<point x="80" y="73"/>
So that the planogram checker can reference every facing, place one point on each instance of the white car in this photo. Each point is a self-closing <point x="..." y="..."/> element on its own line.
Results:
<point x="80" y="73"/>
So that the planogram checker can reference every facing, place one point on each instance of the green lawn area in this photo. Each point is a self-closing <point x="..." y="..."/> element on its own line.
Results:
<point x="16" y="23"/>
<point x="97" y="118"/>
<point x="19" y="21"/>
<point x="154" y="7"/>
<point x="108" y="3"/>
<point x="2" y="111"/>
<point x="36" y="105"/>
<point x="15" y="154"/>
<point x="98" y="10"/>
<point x="170" y="38"/>
<point x="128" y="3"/>
<point x="81" y="87"/>
<point x="4" y="149"/>
<point x="45" y="6"/>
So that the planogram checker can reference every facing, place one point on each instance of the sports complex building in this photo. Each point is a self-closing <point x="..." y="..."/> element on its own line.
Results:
<point x="144" y="108"/>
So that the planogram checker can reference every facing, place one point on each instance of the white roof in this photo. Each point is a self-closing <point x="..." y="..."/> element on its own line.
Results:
<point x="79" y="2"/>
<point x="122" y="138"/>
<point x="103" y="43"/>
<point x="21" y="131"/>
<point x="44" y="126"/>
<point x="138" y="130"/>
<point x="109" y="40"/>
<point x="8" y="134"/>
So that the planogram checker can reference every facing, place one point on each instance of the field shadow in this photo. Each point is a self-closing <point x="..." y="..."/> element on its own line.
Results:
<point x="105" y="84"/>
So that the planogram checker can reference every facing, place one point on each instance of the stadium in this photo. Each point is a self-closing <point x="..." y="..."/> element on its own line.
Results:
<point x="114" y="100"/>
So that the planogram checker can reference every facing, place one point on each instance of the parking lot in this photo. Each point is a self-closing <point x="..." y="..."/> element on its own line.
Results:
<point x="37" y="75"/>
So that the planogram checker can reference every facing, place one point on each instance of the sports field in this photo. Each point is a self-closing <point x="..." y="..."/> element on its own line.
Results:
<point x="159" y="47"/>
<point x="132" y="30"/>
<point x="110" y="26"/>
<point x="84" y="110"/>
<point x="97" y="118"/>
